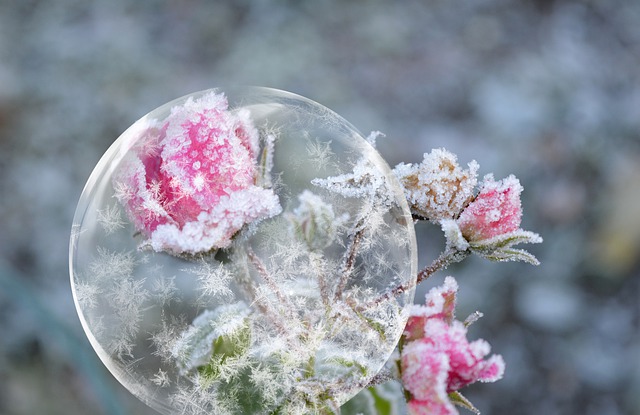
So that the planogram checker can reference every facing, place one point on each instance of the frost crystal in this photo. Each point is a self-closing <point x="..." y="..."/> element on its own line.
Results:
<point x="214" y="280"/>
<point x="438" y="188"/>
<point x="110" y="219"/>
<point x="192" y="182"/>
<point x="366" y="181"/>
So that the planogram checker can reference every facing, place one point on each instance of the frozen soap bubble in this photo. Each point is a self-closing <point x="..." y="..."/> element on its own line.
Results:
<point x="231" y="251"/>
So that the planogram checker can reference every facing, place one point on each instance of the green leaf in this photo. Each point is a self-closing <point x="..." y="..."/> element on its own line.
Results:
<point x="510" y="254"/>
<point x="349" y="363"/>
<point x="507" y="240"/>
<point x="458" y="399"/>
<point x="376" y="326"/>
<point x="383" y="406"/>
<point x="383" y="399"/>
<point x="221" y="329"/>
<point x="225" y="349"/>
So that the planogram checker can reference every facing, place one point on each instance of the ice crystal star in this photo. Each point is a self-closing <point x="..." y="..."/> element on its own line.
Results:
<point x="191" y="185"/>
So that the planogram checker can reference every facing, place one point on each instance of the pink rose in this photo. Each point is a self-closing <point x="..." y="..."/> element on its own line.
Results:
<point x="437" y="358"/>
<point x="191" y="184"/>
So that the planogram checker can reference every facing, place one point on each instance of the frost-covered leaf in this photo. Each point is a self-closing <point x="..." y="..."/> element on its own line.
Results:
<point x="333" y="359"/>
<point x="384" y="399"/>
<point x="453" y="235"/>
<point x="211" y="331"/>
<point x="472" y="318"/>
<point x="507" y="240"/>
<point x="502" y="255"/>
<point x="366" y="181"/>
<point x="499" y="248"/>
<point x="265" y="164"/>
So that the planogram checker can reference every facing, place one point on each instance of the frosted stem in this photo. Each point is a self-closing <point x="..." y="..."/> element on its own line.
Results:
<point x="350" y="256"/>
<point x="446" y="258"/>
<point x="262" y="270"/>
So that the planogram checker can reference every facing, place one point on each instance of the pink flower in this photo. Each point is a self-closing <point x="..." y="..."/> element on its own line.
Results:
<point x="437" y="358"/>
<point x="424" y="374"/>
<point x="440" y="302"/>
<point x="191" y="184"/>
<point x="496" y="210"/>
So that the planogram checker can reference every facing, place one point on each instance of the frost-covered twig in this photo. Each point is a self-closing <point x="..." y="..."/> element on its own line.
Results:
<point x="268" y="279"/>
<point x="446" y="258"/>
<point x="349" y="257"/>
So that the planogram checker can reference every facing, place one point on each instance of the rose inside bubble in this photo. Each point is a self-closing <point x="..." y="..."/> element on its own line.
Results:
<point x="191" y="183"/>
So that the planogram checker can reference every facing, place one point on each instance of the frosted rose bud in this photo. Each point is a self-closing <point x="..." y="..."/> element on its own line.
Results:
<point x="191" y="184"/>
<point x="314" y="222"/>
<point x="495" y="211"/>
<point x="444" y="361"/>
<point x="437" y="188"/>
<point x="437" y="359"/>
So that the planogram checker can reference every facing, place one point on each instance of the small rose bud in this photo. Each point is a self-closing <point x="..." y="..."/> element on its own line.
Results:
<point x="495" y="211"/>
<point x="314" y="222"/>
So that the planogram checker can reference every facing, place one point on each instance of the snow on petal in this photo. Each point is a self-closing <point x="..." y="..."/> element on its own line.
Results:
<point x="425" y="371"/>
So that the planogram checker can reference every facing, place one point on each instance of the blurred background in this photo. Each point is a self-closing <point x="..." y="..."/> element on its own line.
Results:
<point x="546" y="89"/>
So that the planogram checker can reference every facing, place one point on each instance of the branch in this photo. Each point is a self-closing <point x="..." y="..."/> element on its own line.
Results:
<point x="446" y="258"/>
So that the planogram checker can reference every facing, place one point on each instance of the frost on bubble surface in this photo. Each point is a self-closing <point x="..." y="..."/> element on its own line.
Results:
<point x="227" y="252"/>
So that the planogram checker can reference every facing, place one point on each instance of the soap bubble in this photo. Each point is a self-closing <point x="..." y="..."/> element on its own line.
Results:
<point x="231" y="251"/>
